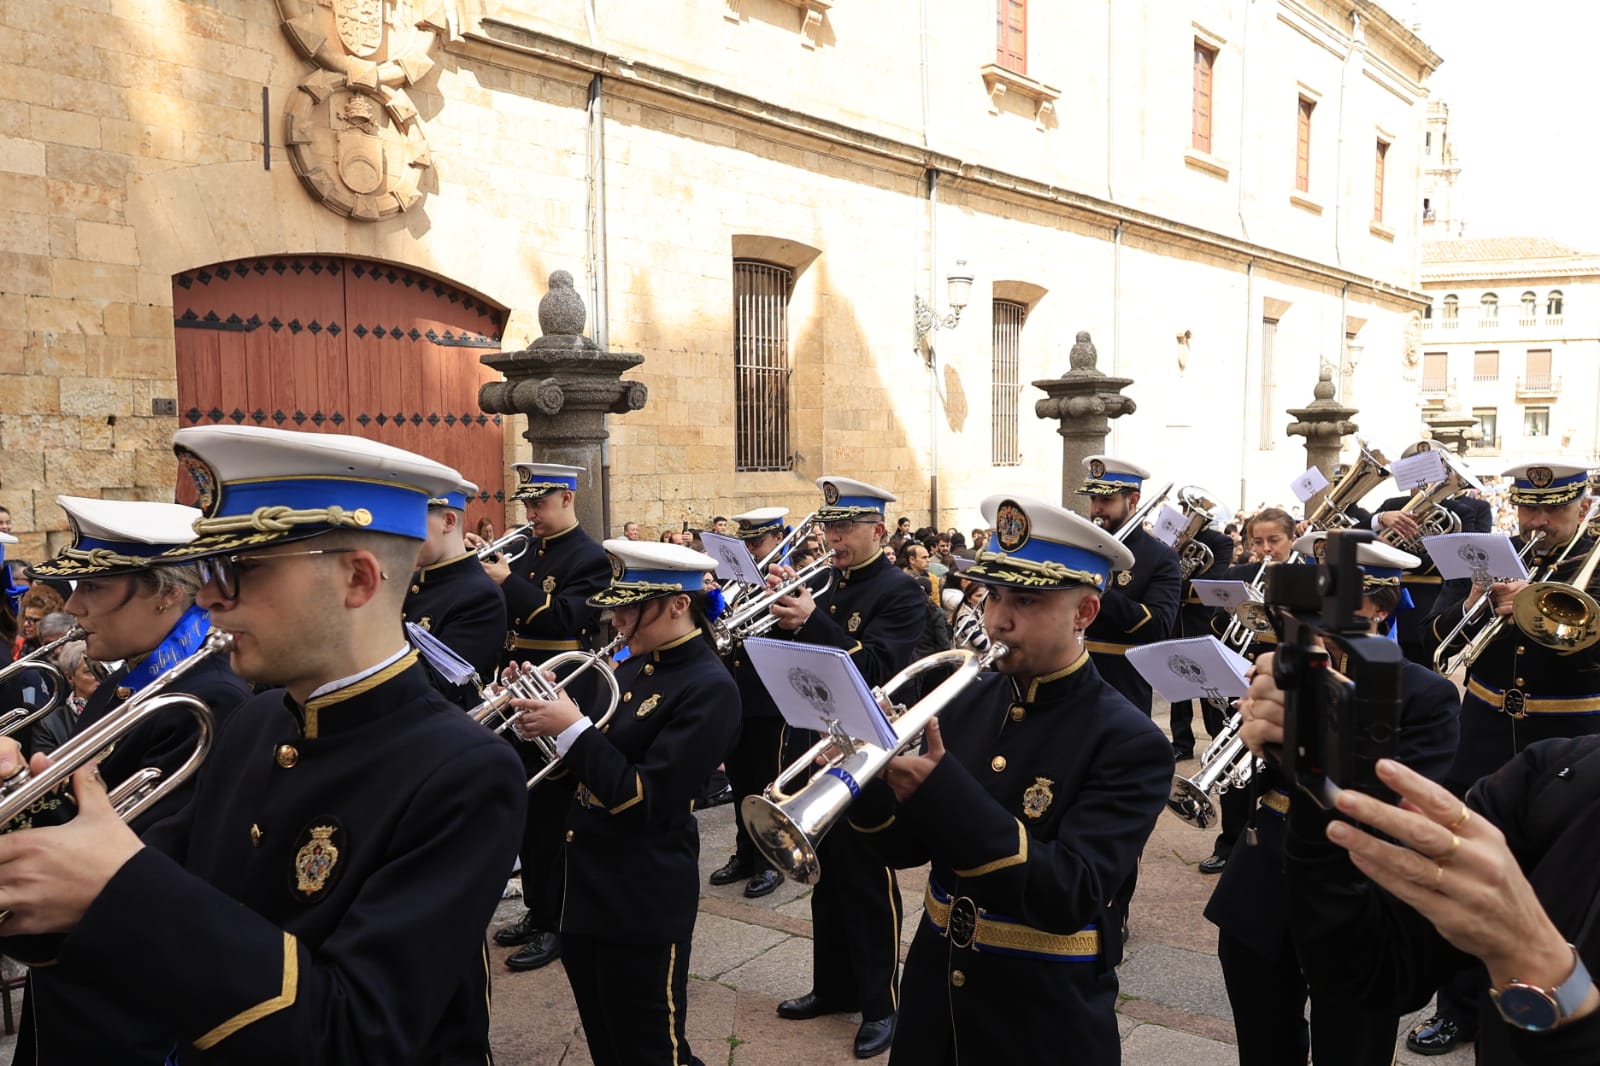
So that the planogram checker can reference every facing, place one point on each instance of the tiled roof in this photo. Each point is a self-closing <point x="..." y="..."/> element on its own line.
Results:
<point x="1496" y="249"/>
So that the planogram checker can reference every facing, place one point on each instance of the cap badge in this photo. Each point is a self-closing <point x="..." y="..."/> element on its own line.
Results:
<point x="830" y="493"/>
<point x="1011" y="526"/>
<point x="524" y="475"/>
<point x="1540" y="476"/>
<point x="1038" y="797"/>
<point x="204" y="478"/>
<point x="1097" y="469"/>
<point x="619" y="569"/>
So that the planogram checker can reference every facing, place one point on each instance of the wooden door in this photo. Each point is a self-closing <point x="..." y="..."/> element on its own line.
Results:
<point x="330" y="344"/>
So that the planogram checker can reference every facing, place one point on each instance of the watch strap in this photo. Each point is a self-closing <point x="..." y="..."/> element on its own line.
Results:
<point x="1569" y="994"/>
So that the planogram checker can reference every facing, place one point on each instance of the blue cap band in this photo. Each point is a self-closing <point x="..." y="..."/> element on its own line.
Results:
<point x="456" y="500"/>
<point x="120" y="547"/>
<point x="1038" y="550"/>
<point x="675" y="578"/>
<point x="394" y="508"/>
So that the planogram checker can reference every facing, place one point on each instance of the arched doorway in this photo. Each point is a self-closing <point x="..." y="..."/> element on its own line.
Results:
<point x="334" y="344"/>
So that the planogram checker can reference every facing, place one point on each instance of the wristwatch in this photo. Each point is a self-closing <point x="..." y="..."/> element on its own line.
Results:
<point x="1537" y="1009"/>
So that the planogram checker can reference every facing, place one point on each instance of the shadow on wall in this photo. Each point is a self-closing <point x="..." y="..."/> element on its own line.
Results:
<point x="955" y="399"/>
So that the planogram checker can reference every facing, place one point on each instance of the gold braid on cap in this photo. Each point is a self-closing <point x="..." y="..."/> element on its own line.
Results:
<point x="1029" y="572"/>
<point x="1379" y="582"/>
<point x="282" y="520"/>
<point x="96" y="559"/>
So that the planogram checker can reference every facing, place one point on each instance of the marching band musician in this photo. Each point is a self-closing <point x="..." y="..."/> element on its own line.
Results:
<point x="547" y="590"/>
<point x="322" y="898"/>
<point x="632" y="843"/>
<point x="1194" y="620"/>
<point x="453" y="599"/>
<point x="134" y="608"/>
<point x="758" y="755"/>
<point x="1140" y="605"/>
<point x="1033" y="799"/>
<point x="1423" y="583"/>
<point x="1250" y="904"/>
<point x="876" y="613"/>
<point x="1517" y="691"/>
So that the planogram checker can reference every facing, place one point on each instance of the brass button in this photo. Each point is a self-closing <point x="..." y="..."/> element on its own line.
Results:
<point x="957" y="978"/>
<point x="287" y="756"/>
<point x="123" y="692"/>
<point x="737" y="663"/>
<point x="649" y="669"/>
<point x="997" y="763"/>
<point x="1521" y="650"/>
<point x="255" y="836"/>
<point x="833" y="608"/>
<point x="1519" y="682"/>
<point x="626" y="696"/>
<point x="569" y="836"/>
<point x="416" y="588"/>
<point x="1018" y="712"/>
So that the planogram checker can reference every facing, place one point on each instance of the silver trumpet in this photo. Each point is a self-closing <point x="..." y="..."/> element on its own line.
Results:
<point x="523" y="534"/>
<point x="529" y="683"/>
<point x="20" y="793"/>
<point x="20" y="718"/>
<point x="1226" y="764"/>
<point x="753" y="616"/>
<point x="1447" y="664"/>
<point x="787" y="826"/>
<point x="737" y="592"/>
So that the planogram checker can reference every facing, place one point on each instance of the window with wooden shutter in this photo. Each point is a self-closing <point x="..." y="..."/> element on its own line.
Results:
<point x="1011" y="35"/>
<point x="1205" y="61"/>
<point x="1435" y="366"/>
<point x="1538" y="376"/>
<point x="1377" y="180"/>
<point x="1486" y="366"/>
<point x="1302" y="155"/>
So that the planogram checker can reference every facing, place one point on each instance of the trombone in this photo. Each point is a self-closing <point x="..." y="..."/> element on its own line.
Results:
<point x="753" y="616"/>
<point x="1136" y="519"/>
<point x="528" y="682"/>
<point x="23" y="790"/>
<point x="1558" y="615"/>
<point x="502" y="545"/>
<point x="1447" y="664"/>
<point x="787" y="826"/>
<point x="20" y="718"/>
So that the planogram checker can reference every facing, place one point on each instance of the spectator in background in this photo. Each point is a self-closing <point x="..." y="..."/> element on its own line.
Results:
<point x="54" y="626"/>
<point x="669" y="536"/>
<point x="917" y="563"/>
<point x="630" y="530"/>
<point x="486" y="528"/>
<point x="5" y="520"/>
<point x="37" y="602"/>
<point x="719" y="524"/>
<point x="936" y="566"/>
<point x="84" y="675"/>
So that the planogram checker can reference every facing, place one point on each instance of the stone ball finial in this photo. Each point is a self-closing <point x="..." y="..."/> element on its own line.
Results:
<point x="561" y="311"/>
<point x="1324" y="389"/>
<point x="1083" y="355"/>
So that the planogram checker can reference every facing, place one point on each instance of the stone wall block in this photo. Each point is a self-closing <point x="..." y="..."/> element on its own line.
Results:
<point x="64" y="127"/>
<point x="46" y="313"/>
<point x="143" y="432"/>
<point x="36" y="433"/>
<point x="59" y="355"/>
<point x="83" y="279"/>
<point x="23" y="233"/>
<point x="96" y="432"/>
<point x="102" y="243"/>
<point x="89" y="473"/>
<point x="156" y="468"/>
<point x="97" y="396"/>
<point x="21" y="470"/>
<point x="33" y="394"/>
<point x="26" y="194"/>
<point x="25" y="275"/>
<point x="22" y="157"/>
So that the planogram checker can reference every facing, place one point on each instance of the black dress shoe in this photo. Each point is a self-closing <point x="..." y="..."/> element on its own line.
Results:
<point x="809" y="1005"/>
<point x="874" y="1038"/>
<point x="1213" y="865"/>
<point x="762" y="883"/>
<point x="735" y="869"/>
<point x="520" y="931"/>
<point x="1436" y="1036"/>
<point x="542" y="950"/>
<point x="1182" y="754"/>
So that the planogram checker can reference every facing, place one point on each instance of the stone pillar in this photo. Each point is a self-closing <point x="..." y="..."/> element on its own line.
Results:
<point x="1324" y="425"/>
<point x="1084" y="401"/>
<point x="566" y="386"/>
<point x="1452" y="427"/>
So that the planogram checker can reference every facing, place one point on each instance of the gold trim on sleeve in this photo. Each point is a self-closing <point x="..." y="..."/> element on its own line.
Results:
<point x="284" y="998"/>
<point x="1015" y="858"/>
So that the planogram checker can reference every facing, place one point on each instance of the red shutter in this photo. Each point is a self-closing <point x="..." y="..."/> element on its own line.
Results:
<point x="1302" y="158"/>
<point x="1011" y="35"/>
<point x="1204" y="59"/>
<point x="1377" y="182"/>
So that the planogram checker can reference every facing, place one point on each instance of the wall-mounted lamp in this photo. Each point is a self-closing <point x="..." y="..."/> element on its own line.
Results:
<point x="959" y="287"/>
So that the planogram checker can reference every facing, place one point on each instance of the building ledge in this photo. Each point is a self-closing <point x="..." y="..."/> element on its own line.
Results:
<point x="812" y="13"/>
<point x="1205" y="163"/>
<point x="1379" y="230"/>
<point x="1538" y="390"/>
<point x="1305" y="204"/>
<point x="1001" y="82"/>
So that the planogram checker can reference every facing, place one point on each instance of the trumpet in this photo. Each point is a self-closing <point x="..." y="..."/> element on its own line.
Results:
<point x="502" y="545"/>
<point x="23" y="791"/>
<point x="529" y="683"/>
<point x="1136" y="519"/>
<point x="1447" y="664"/>
<point x="734" y="594"/>
<point x="753" y="616"/>
<point x="1558" y="615"/>
<point x="1253" y="618"/>
<point x="1226" y="764"/>
<point x="20" y="718"/>
<point x="787" y="826"/>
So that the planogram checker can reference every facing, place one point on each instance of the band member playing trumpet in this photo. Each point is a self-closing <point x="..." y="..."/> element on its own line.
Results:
<point x="1140" y="604"/>
<point x="632" y="844"/>
<point x="323" y="897"/>
<point x="1250" y="906"/>
<point x="130" y="607"/>
<point x="758" y="756"/>
<point x="453" y="599"/>
<point x="1033" y="799"/>
<point x="547" y="589"/>
<point x="876" y="613"/>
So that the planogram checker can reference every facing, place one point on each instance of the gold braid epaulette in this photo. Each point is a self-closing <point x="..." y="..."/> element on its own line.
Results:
<point x="282" y="520"/>
<point x="1029" y="572"/>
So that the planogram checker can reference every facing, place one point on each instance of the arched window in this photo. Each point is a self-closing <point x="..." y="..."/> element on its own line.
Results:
<point x="1553" y="304"/>
<point x="1452" y="307"/>
<point x="1530" y="304"/>
<point x="1490" y="305"/>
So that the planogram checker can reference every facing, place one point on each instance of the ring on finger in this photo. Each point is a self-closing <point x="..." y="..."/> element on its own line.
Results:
<point x="1448" y="853"/>
<point x="1466" y="814"/>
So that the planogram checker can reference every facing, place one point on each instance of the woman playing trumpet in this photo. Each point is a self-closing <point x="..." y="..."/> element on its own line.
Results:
<point x="632" y="844"/>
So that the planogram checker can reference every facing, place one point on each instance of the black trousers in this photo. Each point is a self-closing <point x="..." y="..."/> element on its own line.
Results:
<point x="752" y="765"/>
<point x="1268" y="995"/>
<point x="1182" y="720"/>
<point x="543" y="837"/>
<point x="631" y="998"/>
<point x="1235" y="807"/>
<point x="855" y="917"/>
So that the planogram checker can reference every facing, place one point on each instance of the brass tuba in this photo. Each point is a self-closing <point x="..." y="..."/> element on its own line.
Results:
<point x="1193" y="556"/>
<point x="20" y="718"/>
<point x="1368" y="472"/>
<point x="1426" y="505"/>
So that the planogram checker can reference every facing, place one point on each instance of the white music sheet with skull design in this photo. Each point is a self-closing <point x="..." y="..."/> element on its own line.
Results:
<point x="1192" y="668"/>
<point x="814" y="686"/>
<point x="1483" y="557"/>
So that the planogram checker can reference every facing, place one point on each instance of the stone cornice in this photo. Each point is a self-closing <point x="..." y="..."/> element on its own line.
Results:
<point x="496" y="42"/>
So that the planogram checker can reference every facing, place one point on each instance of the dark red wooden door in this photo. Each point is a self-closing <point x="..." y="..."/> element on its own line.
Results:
<point x="330" y="344"/>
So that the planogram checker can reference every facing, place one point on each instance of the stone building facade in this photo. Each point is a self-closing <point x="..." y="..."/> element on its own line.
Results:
<point x="1226" y="196"/>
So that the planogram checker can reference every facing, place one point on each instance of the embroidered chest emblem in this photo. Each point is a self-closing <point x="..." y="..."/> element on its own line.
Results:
<point x="1038" y="797"/>
<point x="647" y="706"/>
<point x="550" y="583"/>
<point x="316" y="862"/>
<point x="854" y="623"/>
<point x="1124" y="577"/>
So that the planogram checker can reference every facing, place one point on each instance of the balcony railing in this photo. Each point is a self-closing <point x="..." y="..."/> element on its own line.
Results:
<point x="1449" y="323"/>
<point x="1491" y="376"/>
<point x="1538" y="385"/>
<point x="1435" y="386"/>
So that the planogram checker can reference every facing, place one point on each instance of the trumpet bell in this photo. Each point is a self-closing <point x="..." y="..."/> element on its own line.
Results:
<point x="1256" y="617"/>
<point x="781" y="839"/>
<point x="1191" y="803"/>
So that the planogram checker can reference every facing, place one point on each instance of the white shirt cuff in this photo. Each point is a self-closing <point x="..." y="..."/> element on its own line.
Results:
<point x="569" y="736"/>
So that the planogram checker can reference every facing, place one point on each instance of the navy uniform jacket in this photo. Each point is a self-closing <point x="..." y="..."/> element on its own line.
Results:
<point x="873" y="611"/>
<point x="324" y="896"/>
<point x="547" y="593"/>
<point x="1144" y="610"/>
<point x="1559" y="694"/>
<point x="1368" y="946"/>
<point x="633" y="846"/>
<point x="1423" y="582"/>
<point x="455" y="601"/>
<point x="1251" y="902"/>
<point x="1194" y="617"/>
<point x="71" y="1021"/>
<point x="1037" y="813"/>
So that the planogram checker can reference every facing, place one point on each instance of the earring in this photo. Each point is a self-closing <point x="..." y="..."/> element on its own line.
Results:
<point x="383" y="575"/>
<point x="161" y="608"/>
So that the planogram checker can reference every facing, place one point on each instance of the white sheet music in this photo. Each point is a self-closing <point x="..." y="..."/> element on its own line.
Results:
<point x="1308" y="484"/>
<point x="1483" y="557"/>
<point x="1192" y="668"/>
<point x="734" y="562"/>
<point x="1424" y="468"/>
<point x="812" y="685"/>
<point x="1224" y="594"/>
<point x="1168" y="524"/>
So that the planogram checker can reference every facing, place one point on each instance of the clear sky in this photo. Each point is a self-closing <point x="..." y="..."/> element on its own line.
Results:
<point x="1520" y="79"/>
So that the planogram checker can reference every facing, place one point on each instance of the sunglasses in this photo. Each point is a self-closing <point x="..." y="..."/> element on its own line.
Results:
<point x="224" y="571"/>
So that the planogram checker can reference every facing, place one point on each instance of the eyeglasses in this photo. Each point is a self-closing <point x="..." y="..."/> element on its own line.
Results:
<point x="224" y="571"/>
<point x="842" y="524"/>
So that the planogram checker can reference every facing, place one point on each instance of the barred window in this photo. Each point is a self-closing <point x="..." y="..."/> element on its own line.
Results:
<point x="761" y="365"/>
<point x="1006" y="383"/>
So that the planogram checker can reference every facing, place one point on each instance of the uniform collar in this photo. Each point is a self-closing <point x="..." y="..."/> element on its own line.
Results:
<point x="851" y="571"/>
<point x="345" y="703"/>
<point x="551" y="538"/>
<point x="1052" y="687"/>
<point x="676" y="650"/>
<point x="443" y="567"/>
